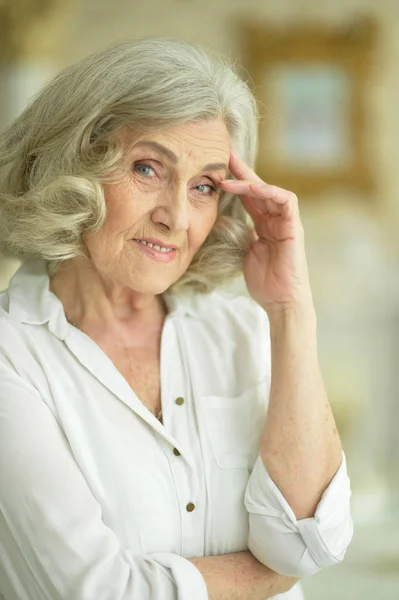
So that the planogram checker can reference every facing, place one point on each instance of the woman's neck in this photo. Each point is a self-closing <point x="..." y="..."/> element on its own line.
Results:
<point x="91" y="302"/>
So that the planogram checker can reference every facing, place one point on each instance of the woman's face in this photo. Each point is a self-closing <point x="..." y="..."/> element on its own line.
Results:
<point x="168" y="198"/>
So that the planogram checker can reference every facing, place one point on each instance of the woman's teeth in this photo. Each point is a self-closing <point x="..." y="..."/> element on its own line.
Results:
<point x="155" y="246"/>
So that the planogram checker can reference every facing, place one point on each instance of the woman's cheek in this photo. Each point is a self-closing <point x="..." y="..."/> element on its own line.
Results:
<point x="205" y="224"/>
<point x="146" y="186"/>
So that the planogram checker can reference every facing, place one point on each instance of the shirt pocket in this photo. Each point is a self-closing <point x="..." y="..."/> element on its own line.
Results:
<point x="234" y="425"/>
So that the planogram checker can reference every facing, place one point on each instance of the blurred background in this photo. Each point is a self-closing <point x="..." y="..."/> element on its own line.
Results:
<point x="326" y="75"/>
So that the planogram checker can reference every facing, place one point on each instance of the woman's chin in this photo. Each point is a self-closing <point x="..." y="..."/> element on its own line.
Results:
<point x="152" y="285"/>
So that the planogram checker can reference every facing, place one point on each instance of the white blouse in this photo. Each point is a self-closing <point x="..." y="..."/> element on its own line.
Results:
<point x="99" y="500"/>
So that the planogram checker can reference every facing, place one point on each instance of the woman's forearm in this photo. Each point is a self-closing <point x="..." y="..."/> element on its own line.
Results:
<point x="240" y="576"/>
<point x="300" y="445"/>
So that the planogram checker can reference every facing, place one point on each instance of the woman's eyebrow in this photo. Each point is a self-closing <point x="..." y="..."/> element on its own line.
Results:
<point x="215" y="167"/>
<point x="173" y="157"/>
<point x="160" y="148"/>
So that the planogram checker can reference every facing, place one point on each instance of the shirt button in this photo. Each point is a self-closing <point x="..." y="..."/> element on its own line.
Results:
<point x="179" y="401"/>
<point x="190" y="507"/>
<point x="176" y="452"/>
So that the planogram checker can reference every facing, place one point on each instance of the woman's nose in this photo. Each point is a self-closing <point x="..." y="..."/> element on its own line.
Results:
<point x="173" y="212"/>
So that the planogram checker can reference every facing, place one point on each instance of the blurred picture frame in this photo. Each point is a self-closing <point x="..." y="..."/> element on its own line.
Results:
<point x="312" y="86"/>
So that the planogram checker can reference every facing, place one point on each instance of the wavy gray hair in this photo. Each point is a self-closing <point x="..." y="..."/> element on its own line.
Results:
<point x="55" y="155"/>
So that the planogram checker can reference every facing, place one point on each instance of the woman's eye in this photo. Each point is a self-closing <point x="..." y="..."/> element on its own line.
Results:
<point x="206" y="188"/>
<point x="145" y="170"/>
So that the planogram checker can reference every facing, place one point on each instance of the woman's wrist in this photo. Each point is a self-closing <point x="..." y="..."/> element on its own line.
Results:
<point x="240" y="576"/>
<point x="297" y="318"/>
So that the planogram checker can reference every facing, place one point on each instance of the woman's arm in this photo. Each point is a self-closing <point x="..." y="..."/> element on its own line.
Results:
<point x="300" y="446"/>
<point x="298" y="492"/>
<point x="240" y="576"/>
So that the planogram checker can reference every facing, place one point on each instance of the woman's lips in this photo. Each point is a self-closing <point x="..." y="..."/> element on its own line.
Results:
<point x="157" y="255"/>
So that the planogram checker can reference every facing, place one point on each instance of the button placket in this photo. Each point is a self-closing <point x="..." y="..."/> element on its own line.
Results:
<point x="179" y="401"/>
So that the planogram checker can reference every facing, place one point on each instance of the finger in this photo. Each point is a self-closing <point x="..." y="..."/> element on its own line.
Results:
<point x="241" y="170"/>
<point x="239" y="186"/>
<point x="258" y="215"/>
<point x="277" y="199"/>
<point x="251" y="208"/>
<point x="260" y="191"/>
<point x="264" y="206"/>
<point x="257" y="190"/>
<point x="243" y="190"/>
<point x="271" y="206"/>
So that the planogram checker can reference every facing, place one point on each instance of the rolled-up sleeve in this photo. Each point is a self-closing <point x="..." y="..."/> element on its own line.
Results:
<point x="54" y="543"/>
<point x="298" y="547"/>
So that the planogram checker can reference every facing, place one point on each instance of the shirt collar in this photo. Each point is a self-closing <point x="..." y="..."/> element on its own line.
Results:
<point x="31" y="301"/>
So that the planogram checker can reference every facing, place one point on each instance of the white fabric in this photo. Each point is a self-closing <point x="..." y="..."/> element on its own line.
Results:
<point x="93" y="499"/>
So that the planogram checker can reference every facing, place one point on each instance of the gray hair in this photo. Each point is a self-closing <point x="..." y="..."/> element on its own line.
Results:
<point x="55" y="155"/>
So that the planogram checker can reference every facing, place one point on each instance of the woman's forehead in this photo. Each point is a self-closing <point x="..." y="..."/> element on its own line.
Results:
<point x="194" y="140"/>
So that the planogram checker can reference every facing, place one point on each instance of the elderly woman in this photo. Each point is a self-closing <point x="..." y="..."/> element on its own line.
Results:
<point x="162" y="436"/>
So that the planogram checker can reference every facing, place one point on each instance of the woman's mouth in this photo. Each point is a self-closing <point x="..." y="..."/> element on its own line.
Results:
<point x="156" y="251"/>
